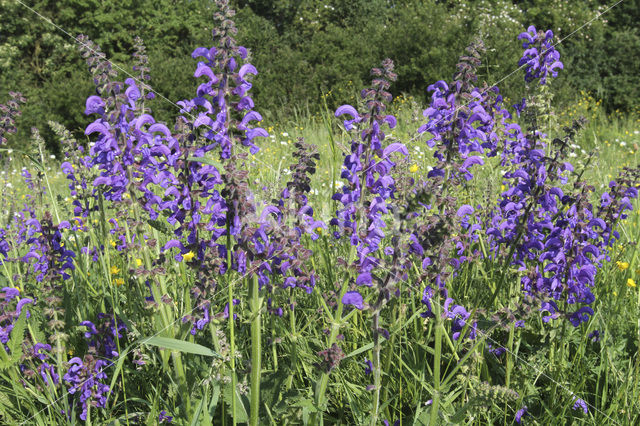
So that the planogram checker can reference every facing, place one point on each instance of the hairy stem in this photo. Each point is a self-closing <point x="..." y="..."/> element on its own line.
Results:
<point x="256" y="349"/>
<point x="435" y="406"/>
<point x="376" y="368"/>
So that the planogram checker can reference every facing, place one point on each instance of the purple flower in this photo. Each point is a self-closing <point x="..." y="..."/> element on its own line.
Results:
<point x="540" y="57"/>
<point x="94" y="105"/>
<point x="580" y="404"/>
<point x="521" y="412"/>
<point x="368" y="369"/>
<point x="354" y="299"/>
<point x="164" y="417"/>
<point x="83" y="378"/>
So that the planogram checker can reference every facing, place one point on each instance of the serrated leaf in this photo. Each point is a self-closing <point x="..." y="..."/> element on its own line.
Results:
<point x="242" y="415"/>
<point x="459" y="416"/>
<point x="306" y="404"/>
<point x="422" y="417"/>
<point x="213" y="404"/>
<point x="196" y="415"/>
<point x="180" y="346"/>
<point x="160" y="226"/>
<point x="17" y="336"/>
<point x="5" y="401"/>
<point x="5" y="361"/>
<point x="208" y="161"/>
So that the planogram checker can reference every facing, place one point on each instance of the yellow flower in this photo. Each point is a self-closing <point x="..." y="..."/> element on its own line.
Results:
<point x="622" y="265"/>
<point x="631" y="283"/>
<point x="413" y="168"/>
<point x="119" y="281"/>
<point x="113" y="243"/>
<point x="114" y="270"/>
<point x="319" y="230"/>
<point x="138" y="263"/>
<point x="188" y="256"/>
<point x="615" y="293"/>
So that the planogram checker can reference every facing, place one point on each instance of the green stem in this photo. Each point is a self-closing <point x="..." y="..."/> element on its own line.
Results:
<point x="321" y="388"/>
<point x="46" y="179"/>
<point x="435" y="406"/>
<point x="256" y="349"/>
<point x="377" y="382"/>
<point x="509" y="352"/>
<point x="232" y="329"/>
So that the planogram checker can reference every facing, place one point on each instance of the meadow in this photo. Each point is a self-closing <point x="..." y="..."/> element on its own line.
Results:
<point x="469" y="261"/>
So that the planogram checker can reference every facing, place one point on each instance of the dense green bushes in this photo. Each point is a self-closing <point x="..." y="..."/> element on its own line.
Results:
<point x="320" y="46"/>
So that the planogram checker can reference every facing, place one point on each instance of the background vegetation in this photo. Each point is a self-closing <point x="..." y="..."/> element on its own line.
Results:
<point x="304" y="48"/>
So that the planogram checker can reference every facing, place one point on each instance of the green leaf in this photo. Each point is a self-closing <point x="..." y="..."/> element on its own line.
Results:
<point x="5" y="361"/>
<point x="242" y="415"/>
<point x="196" y="415"/>
<point x="360" y="350"/>
<point x="5" y="401"/>
<point x="17" y="337"/>
<point x="160" y="226"/>
<point x="119" y="364"/>
<point x="213" y="404"/>
<point x="306" y="404"/>
<point x="205" y="160"/>
<point x="180" y="346"/>
<point x="422" y="417"/>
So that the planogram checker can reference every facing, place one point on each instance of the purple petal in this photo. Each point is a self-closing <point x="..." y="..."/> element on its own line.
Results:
<point x="347" y="109"/>
<point x="353" y="298"/>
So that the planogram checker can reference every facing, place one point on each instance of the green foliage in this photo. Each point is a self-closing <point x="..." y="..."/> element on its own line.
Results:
<point x="303" y="49"/>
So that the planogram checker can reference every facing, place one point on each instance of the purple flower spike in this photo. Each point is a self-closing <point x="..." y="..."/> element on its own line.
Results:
<point x="540" y="57"/>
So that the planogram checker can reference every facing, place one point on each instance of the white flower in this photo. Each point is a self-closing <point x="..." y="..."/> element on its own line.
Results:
<point x="573" y="155"/>
<point x="285" y="134"/>
<point x="623" y="143"/>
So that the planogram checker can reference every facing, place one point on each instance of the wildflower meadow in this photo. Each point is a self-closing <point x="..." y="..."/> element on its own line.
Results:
<point x="471" y="259"/>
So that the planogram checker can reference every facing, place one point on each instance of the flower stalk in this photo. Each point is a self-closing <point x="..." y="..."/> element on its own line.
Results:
<point x="256" y="348"/>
